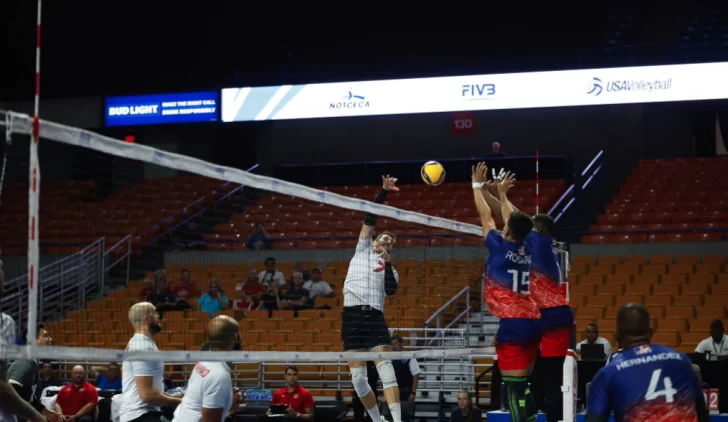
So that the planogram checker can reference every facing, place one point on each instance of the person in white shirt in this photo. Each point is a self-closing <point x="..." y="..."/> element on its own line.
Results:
<point x="592" y="337"/>
<point x="318" y="287"/>
<point x="717" y="344"/>
<point x="11" y="404"/>
<point x="210" y="395"/>
<point x="142" y="382"/>
<point x="370" y="278"/>
<point x="271" y="276"/>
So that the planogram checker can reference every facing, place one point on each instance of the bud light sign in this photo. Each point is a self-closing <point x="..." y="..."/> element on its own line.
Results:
<point x="161" y="109"/>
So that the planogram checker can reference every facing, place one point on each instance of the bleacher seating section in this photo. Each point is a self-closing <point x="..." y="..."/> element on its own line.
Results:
<point x="424" y="287"/>
<point x="287" y="217"/>
<point x="71" y="213"/>
<point x="689" y="194"/>
<point x="683" y="294"/>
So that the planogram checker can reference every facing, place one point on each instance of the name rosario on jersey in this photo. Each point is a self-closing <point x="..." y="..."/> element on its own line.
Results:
<point x="648" y="359"/>
<point x="518" y="259"/>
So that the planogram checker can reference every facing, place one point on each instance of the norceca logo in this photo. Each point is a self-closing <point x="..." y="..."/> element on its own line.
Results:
<point x="599" y="86"/>
<point x="350" y="100"/>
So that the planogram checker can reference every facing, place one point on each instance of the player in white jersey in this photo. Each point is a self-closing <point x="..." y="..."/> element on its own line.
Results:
<point x="11" y="404"/>
<point x="142" y="382"/>
<point x="210" y="395"/>
<point x="370" y="278"/>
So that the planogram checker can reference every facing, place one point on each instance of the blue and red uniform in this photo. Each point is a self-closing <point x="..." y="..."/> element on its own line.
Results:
<point x="507" y="275"/>
<point x="557" y="318"/>
<point x="646" y="383"/>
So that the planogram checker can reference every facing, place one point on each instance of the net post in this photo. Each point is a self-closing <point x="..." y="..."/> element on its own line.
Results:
<point x="569" y="387"/>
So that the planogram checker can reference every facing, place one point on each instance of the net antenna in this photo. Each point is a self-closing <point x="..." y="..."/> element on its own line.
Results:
<point x="34" y="200"/>
<point x="8" y="142"/>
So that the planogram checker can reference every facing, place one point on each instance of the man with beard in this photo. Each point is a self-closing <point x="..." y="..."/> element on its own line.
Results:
<point x="143" y="381"/>
<point x="11" y="404"/>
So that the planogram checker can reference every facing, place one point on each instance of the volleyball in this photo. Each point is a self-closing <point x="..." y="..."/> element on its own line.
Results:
<point x="433" y="173"/>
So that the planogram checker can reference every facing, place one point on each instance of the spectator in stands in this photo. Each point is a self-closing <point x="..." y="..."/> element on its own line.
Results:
<point x="78" y="400"/>
<point x="245" y="303"/>
<point x="252" y="288"/>
<point x="406" y="371"/>
<point x="143" y="381"/>
<point x="298" y="400"/>
<point x="715" y="345"/>
<point x="699" y="374"/>
<point x="186" y="289"/>
<point x="190" y="238"/>
<point x="296" y="297"/>
<point x="48" y="378"/>
<point x="301" y="268"/>
<point x="497" y="153"/>
<point x="23" y="376"/>
<point x="271" y="276"/>
<point x="259" y="239"/>
<point x="358" y="407"/>
<point x="149" y="287"/>
<point x="317" y="287"/>
<point x="465" y="410"/>
<point x="108" y="378"/>
<point x="162" y="297"/>
<point x="592" y="337"/>
<point x="214" y="300"/>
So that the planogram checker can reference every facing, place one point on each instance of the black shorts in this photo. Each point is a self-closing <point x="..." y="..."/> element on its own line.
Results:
<point x="363" y="328"/>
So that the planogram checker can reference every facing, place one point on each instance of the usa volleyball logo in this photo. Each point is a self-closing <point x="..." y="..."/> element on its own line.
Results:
<point x="596" y="87"/>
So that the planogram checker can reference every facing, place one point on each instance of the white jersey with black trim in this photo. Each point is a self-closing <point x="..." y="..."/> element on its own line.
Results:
<point x="364" y="283"/>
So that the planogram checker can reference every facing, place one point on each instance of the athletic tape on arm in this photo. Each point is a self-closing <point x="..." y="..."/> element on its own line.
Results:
<point x="82" y="138"/>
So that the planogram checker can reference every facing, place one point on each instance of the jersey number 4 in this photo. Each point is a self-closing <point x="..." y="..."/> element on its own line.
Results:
<point x="653" y="393"/>
<point x="520" y="281"/>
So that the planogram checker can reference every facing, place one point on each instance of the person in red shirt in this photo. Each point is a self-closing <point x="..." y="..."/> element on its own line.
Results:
<point x="77" y="401"/>
<point x="187" y="288"/>
<point x="252" y="288"/>
<point x="298" y="400"/>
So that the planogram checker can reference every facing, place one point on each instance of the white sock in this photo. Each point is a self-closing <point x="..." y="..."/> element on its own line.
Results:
<point x="396" y="411"/>
<point x="374" y="414"/>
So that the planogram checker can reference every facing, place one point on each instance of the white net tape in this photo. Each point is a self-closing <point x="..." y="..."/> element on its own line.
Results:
<point x="22" y="124"/>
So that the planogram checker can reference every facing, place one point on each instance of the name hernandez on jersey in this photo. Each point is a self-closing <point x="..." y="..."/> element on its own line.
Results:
<point x="646" y="383"/>
<point x="507" y="276"/>
<point x="545" y="271"/>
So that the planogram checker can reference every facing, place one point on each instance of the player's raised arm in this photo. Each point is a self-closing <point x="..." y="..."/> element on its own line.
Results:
<point x="486" y="218"/>
<point x="493" y="202"/>
<point x="388" y="184"/>
<point x="503" y="186"/>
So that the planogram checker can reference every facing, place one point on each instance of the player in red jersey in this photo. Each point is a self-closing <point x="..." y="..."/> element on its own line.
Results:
<point x="557" y="318"/>
<point x="506" y="286"/>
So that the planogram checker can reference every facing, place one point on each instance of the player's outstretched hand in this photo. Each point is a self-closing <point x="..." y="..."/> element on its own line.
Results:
<point x="506" y="183"/>
<point x="480" y="172"/>
<point x="388" y="183"/>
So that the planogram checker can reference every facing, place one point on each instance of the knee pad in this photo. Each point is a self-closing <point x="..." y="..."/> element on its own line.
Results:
<point x="386" y="374"/>
<point x="360" y="380"/>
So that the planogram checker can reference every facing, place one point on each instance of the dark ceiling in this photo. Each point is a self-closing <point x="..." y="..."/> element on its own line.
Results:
<point x="159" y="46"/>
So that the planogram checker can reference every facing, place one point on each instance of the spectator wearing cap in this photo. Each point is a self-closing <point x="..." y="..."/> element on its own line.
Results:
<point x="252" y="288"/>
<point x="317" y="287"/>
<point x="497" y="153"/>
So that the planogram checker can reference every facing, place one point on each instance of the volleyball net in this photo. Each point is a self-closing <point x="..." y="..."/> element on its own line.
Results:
<point x="120" y="223"/>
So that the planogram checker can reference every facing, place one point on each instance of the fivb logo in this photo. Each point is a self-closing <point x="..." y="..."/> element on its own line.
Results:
<point x="477" y="91"/>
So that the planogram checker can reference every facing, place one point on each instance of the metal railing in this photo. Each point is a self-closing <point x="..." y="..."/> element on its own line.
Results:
<point x="196" y="202"/>
<point x="647" y="233"/>
<point x="63" y="285"/>
<point x="439" y="314"/>
<point x="576" y="191"/>
<point x="125" y="256"/>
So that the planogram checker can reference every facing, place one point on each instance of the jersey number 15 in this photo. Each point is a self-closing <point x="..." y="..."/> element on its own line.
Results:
<point x="520" y="281"/>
